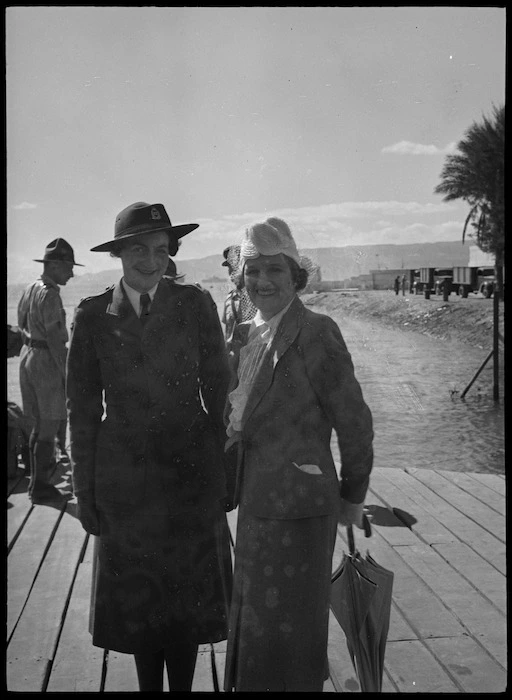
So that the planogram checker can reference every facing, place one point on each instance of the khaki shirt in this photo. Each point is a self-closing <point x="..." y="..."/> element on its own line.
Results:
<point x="41" y="316"/>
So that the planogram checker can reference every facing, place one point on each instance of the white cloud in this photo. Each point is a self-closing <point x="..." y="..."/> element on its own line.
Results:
<point x="419" y="149"/>
<point x="24" y="205"/>
<point x="335" y="224"/>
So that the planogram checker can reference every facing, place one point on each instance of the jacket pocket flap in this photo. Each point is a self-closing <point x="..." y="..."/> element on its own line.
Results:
<point x="308" y="468"/>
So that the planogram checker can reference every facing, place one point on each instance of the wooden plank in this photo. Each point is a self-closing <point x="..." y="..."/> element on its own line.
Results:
<point x="479" y="617"/>
<point x="494" y="500"/>
<point x="496" y="482"/>
<point x="121" y="674"/>
<point x="232" y="518"/>
<point x="491" y="583"/>
<point x="386" y="483"/>
<point x="465" y="529"/>
<point x="32" y="646"/>
<point x="418" y="605"/>
<point x="16" y="482"/>
<point x="77" y="666"/>
<point x="25" y="558"/>
<point x="220" y="661"/>
<point x="328" y="687"/>
<point x="18" y="510"/>
<point x="415" y="670"/>
<point x="203" y="678"/>
<point x="398" y="627"/>
<point x="388" y="686"/>
<point x="474" y="670"/>
<point x="472" y="507"/>
<point x="384" y="519"/>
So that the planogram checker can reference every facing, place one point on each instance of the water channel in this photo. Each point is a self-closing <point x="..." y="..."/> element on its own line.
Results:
<point x="413" y="385"/>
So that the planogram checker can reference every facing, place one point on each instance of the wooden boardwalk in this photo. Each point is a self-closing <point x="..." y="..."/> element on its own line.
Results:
<point x="442" y="533"/>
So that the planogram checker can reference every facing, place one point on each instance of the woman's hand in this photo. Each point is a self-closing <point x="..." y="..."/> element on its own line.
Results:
<point x="351" y="514"/>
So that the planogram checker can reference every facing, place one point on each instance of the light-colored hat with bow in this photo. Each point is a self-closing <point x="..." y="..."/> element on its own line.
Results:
<point x="270" y="237"/>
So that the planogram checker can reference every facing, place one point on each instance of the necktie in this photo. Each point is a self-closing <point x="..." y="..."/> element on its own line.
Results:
<point x="145" y="301"/>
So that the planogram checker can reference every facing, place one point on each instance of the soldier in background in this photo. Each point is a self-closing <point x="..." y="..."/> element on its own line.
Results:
<point x="42" y="321"/>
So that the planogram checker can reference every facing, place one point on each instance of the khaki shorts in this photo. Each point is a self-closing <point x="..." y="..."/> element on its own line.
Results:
<point x="42" y="385"/>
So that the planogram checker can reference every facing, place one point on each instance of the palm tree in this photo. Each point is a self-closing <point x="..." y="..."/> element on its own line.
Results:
<point x="476" y="175"/>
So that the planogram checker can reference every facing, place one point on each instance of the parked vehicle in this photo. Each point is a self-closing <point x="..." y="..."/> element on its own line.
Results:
<point x="486" y="278"/>
<point x="465" y="280"/>
<point x="469" y="280"/>
<point x="414" y="276"/>
<point x="443" y="280"/>
<point x="433" y="279"/>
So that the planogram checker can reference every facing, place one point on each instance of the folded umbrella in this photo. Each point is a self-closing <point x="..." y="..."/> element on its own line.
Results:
<point x="361" y="602"/>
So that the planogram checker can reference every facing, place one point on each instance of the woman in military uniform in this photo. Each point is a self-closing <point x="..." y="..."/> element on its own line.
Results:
<point x="147" y="377"/>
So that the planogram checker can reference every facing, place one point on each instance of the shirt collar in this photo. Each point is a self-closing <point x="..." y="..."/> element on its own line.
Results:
<point x="134" y="296"/>
<point x="272" y="323"/>
<point x="49" y="282"/>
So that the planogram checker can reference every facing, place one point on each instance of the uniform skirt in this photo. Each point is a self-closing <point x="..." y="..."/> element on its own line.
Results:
<point x="158" y="579"/>
<point x="278" y="626"/>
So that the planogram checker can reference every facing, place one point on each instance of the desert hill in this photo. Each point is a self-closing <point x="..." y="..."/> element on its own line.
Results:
<point x="337" y="263"/>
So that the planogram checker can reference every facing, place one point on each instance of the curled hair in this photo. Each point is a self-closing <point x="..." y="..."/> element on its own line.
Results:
<point x="116" y="249"/>
<point x="299" y="275"/>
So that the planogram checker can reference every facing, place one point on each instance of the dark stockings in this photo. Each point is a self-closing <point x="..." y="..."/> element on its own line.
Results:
<point x="180" y="660"/>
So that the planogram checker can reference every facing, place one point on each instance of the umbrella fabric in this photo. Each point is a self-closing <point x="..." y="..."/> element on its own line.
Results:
<point x="361" y="602"/>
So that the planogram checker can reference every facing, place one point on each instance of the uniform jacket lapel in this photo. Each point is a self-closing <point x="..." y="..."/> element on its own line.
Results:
<point x="286" y="333"/>
<point x="121" y="307"/>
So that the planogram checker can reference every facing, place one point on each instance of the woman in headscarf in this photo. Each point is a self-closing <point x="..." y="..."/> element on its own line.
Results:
<point x="293" y="383"/>
<point x="237" y="306"/>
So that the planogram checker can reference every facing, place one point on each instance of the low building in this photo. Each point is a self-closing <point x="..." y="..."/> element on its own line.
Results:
<point x="385" y="279"/>
<point x="477" y="258"/>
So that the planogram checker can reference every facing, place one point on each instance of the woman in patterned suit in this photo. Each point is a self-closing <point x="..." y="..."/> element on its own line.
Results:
<point x="147" y="376"/>
<point x="293" y="384"/>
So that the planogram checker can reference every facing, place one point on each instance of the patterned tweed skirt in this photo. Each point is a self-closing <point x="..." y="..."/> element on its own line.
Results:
<point x="278" y="626"/>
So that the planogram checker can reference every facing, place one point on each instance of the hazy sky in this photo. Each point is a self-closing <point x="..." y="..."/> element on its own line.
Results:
<point x="338" y="119"/>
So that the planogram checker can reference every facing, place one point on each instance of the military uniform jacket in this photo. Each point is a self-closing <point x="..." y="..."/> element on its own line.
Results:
<point x="145" y="395"/>
<point x="305" y="389"/>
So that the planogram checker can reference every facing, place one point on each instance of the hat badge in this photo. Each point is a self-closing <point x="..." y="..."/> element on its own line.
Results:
<point x="155" y="214"/>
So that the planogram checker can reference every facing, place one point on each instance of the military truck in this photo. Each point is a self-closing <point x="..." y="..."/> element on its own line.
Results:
<point x="467" y="280"/>
<point x="443" y="280"/>
<point x="433" y="279"/>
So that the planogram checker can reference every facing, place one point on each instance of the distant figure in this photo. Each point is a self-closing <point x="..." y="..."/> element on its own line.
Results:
<point x="397" y="284"/>
<point x="403" y="284"/>
<point x="237" y="306"/>
<point x="42" y="319"/>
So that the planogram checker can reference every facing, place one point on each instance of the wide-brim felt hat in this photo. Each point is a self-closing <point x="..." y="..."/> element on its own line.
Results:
<point x="142" y="218"/>
<point x="58" y="250"/>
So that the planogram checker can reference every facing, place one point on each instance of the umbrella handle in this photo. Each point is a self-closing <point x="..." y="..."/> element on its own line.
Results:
<point x="350" y="534"/>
